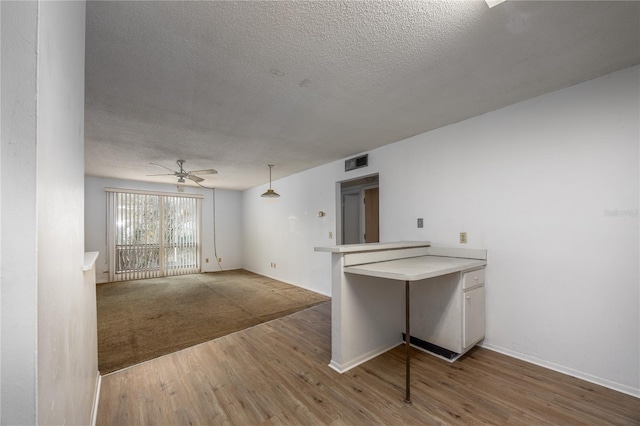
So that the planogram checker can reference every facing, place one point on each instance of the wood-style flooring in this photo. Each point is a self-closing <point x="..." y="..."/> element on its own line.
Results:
<point x="276" y="373"/>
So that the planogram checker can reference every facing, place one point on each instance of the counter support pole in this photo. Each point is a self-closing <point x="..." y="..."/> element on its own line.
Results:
<point x="407" y="344"/>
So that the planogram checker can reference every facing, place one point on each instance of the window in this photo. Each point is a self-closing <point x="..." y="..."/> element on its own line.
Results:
<point x="152" y="234"/>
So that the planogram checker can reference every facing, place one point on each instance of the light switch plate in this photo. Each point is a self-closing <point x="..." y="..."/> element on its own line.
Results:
<point x="463" y="238"/>
<point x="420" y="223"/>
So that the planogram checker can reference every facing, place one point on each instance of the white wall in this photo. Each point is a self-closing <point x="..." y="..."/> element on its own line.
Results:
<point x="67" y="328"/>
<point x="228" y="207"/>
<point x="550" y="187"/>
<point x="49" y="344"/>
<point x="19" y="236"/>
<point x="0" y="229"/>
<point x="285" y="230"/>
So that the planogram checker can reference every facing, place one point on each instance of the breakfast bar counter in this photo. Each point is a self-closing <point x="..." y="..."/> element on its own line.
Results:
<point x="368" y="305"/>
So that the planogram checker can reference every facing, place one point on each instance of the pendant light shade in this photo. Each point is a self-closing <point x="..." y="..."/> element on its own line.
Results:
<point x="270" y="192"/>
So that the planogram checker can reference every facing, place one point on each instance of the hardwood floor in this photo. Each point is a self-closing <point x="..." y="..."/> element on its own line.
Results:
<point x="276" y="373"/>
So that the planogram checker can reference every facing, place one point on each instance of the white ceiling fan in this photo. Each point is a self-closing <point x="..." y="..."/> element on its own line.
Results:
<point x="182" y="174"/>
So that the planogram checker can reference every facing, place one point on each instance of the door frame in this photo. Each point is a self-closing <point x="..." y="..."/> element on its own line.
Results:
<point x="354" y="185"/>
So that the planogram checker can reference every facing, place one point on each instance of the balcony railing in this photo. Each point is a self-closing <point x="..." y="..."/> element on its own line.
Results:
<point x="146" y="257"/>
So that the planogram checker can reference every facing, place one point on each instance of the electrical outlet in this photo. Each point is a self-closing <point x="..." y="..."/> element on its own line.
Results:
<point x="463" y="238"/>
<point x="219" y="260"/>
<point x="206" y="260"/>
<point x="330" y="235"/>
<point x="420" y="223"/>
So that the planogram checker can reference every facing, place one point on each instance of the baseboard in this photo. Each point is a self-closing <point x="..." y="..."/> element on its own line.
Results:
<point x="565" y="370"/>
<point x="343" y="368"/>
<point x="96" y="399"/>
<point x="287" y="282"/>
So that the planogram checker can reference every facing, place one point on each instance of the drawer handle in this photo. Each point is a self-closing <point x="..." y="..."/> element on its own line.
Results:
<point x="468" y="297"/>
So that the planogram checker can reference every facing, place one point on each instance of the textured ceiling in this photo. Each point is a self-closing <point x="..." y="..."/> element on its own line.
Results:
<point x="238" y="85"/>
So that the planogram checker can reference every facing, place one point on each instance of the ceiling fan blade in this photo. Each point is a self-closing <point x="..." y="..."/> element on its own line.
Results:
<point x="164" y="174"/>
<point x="194" y="178"/>
<point x="205" y="172"/>
<point x="159" y="165"/>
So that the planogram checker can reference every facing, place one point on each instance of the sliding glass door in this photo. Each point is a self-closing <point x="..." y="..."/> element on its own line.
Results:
<point x="152" y="234"/>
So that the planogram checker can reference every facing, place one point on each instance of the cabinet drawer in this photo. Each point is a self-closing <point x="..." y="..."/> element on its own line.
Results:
<point x="472" y="279"/>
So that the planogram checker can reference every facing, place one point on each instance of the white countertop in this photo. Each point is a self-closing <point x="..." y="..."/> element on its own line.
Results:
<point x="89" y="260"/>
<point x="416" y="268"/>
<point x="355" y="248"/>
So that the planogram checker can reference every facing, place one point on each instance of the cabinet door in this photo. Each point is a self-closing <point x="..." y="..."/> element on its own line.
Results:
<point x="473" y="313"/>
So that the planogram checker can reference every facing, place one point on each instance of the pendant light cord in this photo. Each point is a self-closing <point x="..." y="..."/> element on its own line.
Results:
<point x="215" y="248"/>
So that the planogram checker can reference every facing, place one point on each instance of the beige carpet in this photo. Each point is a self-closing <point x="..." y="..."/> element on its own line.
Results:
<point x="144" y="319"/>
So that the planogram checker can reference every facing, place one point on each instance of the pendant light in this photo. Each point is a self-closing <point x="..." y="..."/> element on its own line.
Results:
<point x="270" y="192"/>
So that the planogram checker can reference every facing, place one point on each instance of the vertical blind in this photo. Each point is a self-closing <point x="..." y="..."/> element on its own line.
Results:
<point x="152" y="234"/>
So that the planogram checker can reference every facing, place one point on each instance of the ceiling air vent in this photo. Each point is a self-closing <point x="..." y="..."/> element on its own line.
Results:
<point x="356" y="162"/>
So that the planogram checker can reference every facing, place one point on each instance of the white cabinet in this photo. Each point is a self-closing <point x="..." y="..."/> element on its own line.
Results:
<point x="472" y="279"/>
<point x="473" y="317"/>
<point x="449" y="311"/>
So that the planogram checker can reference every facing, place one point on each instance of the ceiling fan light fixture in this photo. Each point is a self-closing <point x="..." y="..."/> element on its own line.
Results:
<point x="270" y="192"/>
<point x="183" y="174"/>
